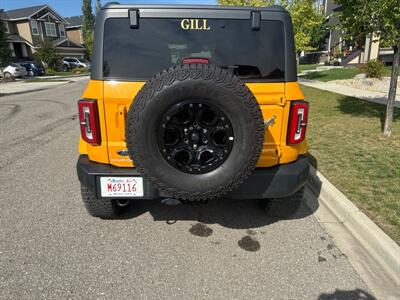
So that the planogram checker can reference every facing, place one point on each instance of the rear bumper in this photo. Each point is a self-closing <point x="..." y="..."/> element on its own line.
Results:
<point x="274" y="182"/>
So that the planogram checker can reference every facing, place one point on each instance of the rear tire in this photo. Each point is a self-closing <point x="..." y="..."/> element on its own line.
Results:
<point x="212" y="100"/>
<point x="8" y="77"/>
<point x="282" y="207"/>
<point x="100" y="208"/>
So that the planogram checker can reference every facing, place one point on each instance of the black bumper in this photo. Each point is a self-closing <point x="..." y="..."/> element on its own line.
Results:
<point x="274" y="182"/>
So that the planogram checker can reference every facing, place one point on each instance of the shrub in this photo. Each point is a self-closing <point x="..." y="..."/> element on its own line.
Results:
<point x="373" y="68"/>
<point x="80" y="70"/>
<point x="47" y="53"/>
<point x="50" y="71"/>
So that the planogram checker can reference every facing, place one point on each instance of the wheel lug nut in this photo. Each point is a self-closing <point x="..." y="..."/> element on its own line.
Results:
<point x="222" y="118"/>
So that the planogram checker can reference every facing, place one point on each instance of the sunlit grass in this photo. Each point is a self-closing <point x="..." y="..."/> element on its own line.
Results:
<point x="345" y="137"/>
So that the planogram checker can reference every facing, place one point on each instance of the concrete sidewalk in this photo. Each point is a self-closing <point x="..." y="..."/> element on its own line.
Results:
<point x="375" y="97"/>
<point x="20" y="87"/>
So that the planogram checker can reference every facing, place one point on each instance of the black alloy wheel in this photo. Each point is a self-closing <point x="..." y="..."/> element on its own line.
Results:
<point x="195" y="136"/>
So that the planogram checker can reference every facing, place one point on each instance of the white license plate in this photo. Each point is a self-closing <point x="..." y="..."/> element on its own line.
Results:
<point x="121" y="186"/>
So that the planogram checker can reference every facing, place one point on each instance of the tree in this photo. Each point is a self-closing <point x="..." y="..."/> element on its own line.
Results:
<point x="5" y="51"/>
<point x="306" y="21"/>
<point x="305" y="17"/>
<point x="319" y="35"/>
<point x="381" y="17"/>
<point x="98" y="6"/>
<point x="47" y="53"/>
<point x="88" y="25"/>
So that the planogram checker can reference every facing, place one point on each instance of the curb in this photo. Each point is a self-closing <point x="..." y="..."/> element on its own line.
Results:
<point x="33" y="90"/>
<point x="378" y="244"/>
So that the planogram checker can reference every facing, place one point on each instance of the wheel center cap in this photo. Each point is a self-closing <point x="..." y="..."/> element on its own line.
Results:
<point x="194" y="137"/>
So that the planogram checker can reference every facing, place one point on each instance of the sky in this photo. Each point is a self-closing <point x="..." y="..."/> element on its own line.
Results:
<point x="68" y="8"/>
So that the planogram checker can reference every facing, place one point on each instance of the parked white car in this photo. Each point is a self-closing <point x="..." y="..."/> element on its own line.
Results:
<point x="13" y="70"/>
<point x="77" y="62"/>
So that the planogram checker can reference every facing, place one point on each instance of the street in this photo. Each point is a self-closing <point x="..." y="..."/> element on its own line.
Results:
<point x="51" y="248"/>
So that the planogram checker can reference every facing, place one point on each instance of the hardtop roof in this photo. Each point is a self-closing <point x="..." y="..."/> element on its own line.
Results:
<point x="273" y="8"/>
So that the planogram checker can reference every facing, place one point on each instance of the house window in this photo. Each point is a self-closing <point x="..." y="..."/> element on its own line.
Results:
<point x="50" y="29"/>
<point x="35" y="28"/>
<point x="62" y="30"/>
<point x="7" y="28"/>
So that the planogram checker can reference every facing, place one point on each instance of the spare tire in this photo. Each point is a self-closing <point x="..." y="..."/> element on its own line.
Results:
<point x="195" y="131"/>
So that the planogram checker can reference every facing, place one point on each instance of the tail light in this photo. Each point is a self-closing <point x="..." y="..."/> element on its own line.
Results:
<point x="297" y="122"/>
<point x="89" y="121"/>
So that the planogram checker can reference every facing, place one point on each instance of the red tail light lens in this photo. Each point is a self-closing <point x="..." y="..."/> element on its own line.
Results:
<point x="89" y="121"/>
<point x="186" y="61"/>
<point x="297" y="122"/>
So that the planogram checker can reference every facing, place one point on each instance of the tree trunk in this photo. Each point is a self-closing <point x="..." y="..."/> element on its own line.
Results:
<point x="387" y="130"/>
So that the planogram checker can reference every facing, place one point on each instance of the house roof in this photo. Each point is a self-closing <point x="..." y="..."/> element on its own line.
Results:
<point x="74" y="21"/>
<point x="16" y="38"/>
<point x="3" y="15"/>
<point x="24" y="12"/>
<point x="66" y="42"/>
<point x="28" y="12"/>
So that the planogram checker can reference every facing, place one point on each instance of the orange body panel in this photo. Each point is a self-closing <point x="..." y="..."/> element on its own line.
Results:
<point x="115" y="97"/>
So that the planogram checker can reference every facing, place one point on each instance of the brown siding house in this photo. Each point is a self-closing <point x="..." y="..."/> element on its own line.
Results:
<point x="74" y="29"/>
<point x="28" y="27"/>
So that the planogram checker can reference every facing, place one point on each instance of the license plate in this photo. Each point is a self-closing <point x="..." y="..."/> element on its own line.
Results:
<point x="121" y="186"/>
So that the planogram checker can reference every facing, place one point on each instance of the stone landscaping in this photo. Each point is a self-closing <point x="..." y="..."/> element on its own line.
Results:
<point x="368" y="84"/>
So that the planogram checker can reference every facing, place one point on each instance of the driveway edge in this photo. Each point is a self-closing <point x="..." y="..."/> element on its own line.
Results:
<point x="377" y="243"/>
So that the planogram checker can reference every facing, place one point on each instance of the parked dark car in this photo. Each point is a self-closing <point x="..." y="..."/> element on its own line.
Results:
<point x="33" y="69"/>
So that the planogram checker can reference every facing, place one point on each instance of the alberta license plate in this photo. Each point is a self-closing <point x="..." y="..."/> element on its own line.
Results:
<point x="121" y="186"/>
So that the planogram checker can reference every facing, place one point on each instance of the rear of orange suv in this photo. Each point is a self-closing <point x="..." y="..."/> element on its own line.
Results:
<point x="193" y="103"/>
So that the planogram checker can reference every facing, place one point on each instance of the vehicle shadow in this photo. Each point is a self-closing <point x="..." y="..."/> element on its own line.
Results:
<point x="235" y="214"/>
<point x="357" y="294"/>
<point x="357" y="107"/>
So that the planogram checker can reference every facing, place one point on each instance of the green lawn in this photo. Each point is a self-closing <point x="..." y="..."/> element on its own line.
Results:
<point x="60" y="73"/>
<point x="344" y="135"/>
<point x="301" y="68"/>
<point x="387" y="71"/>
<point x="38" y="79"/>
<point x="338" y="74"/>
<point x="333" y="74"/>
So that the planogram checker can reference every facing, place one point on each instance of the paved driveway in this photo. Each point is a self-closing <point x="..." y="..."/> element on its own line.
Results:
<point x="51" y="248"/>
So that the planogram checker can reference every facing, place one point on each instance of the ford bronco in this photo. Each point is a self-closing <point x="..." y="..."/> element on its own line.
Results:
<point x="191" y="103"/>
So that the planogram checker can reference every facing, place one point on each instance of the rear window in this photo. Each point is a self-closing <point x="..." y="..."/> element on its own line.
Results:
<point x="137" y="54"/>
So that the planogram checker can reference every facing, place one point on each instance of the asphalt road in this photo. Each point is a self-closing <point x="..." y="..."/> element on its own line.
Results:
<point x="51" y="248"/>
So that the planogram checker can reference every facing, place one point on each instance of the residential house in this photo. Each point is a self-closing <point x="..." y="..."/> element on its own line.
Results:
<point x="28" y="27"/>
<point x="356" y="50"/>
<point x="74" y="29"/>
